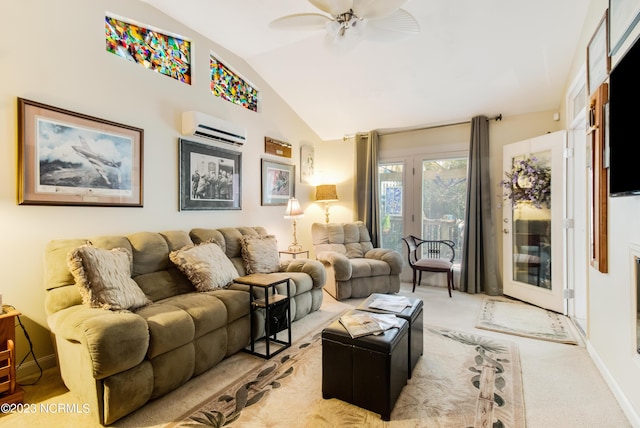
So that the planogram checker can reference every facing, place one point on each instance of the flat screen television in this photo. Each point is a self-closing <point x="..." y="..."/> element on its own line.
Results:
<point x="624" y="124"/>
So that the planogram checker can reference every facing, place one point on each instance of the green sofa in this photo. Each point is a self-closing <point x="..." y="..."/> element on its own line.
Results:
<point x="116" y="361"/>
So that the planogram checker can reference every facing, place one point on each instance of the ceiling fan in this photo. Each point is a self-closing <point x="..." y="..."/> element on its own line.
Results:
<point x="371" y="19"/>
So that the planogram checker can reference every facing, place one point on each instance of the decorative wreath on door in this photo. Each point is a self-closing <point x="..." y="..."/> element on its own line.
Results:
<point x="528" y="182"/>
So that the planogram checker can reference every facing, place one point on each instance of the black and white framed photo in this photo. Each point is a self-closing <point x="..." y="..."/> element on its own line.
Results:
<point x="278" y="182"/>
<point x="210" y="177"/>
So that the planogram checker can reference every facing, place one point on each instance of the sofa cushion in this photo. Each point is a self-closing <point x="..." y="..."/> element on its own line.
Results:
<point x="351" y="239"/>
<point x="170" y="327"/>
<point x="260" y="254"/>
<point x="206" y="266"/>
<point x="150" y="252"/>
<point x="104" y="278"/>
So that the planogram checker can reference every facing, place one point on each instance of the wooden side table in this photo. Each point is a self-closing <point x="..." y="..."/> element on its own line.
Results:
<point x="276" y="302"/>
<point x="294" y="254"/>
<point x="10" y="391"/>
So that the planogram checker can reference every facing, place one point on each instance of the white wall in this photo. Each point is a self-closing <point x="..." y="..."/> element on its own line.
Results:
<point x="612" y="296"/>
<point x="54" y="53"/>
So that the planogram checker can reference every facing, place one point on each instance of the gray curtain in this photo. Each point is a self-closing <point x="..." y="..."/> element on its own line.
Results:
<point x="366" y="183"/>
<point x="479" y="270"/>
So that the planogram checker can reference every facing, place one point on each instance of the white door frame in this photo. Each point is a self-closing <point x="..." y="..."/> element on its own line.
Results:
<point x="577" y="207"/>
<point x="552" y="299"/>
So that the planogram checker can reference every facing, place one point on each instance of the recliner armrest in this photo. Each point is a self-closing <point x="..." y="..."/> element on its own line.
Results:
<point x="115" y="341"/>
<point x="340" y="263"/>
<point x="313" y="268"/>
<point x="391" y="257"/>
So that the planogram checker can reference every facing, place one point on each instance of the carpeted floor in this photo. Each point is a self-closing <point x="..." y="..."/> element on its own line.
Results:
<point x="443" y="391"/>
<point x="562" y="387"/>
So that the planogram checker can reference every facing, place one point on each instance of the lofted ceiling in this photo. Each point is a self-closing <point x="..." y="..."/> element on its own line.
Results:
<point x="470" y="57"/>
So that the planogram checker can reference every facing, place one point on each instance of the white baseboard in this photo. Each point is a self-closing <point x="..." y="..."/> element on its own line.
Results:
<point x="30" y="368"/>
<point x="627" y="408"/>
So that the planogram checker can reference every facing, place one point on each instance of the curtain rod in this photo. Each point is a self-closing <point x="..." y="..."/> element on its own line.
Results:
<point x="496" y="118"/>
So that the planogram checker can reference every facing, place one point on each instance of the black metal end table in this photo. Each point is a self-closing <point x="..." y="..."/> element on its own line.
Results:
<point x="277" y="313"/>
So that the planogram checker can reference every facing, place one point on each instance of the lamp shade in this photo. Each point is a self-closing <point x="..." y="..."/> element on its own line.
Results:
<point x="293" y="209"/>
<point x="326" y="192"/>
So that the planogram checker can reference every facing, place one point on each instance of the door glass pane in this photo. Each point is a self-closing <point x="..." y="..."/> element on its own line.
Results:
<point x="444" y="188"/>
<point x="391" y="187"/>
<point x="532" y="235"/>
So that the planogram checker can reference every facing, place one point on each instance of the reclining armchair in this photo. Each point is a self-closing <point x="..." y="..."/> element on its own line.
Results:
<point x="354" y="267"/>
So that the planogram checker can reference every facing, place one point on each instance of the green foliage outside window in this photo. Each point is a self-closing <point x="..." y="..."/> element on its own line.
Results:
<point x="444" y="188"/>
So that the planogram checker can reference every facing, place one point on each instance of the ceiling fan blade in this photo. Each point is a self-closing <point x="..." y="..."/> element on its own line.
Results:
<point x="399" y="21"/>
<point x="301" y="21"/>
<point x="371" y="9"/>
<point x="333" y="7"/>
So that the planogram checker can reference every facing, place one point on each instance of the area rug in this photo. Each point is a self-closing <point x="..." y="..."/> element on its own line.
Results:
<point x="521" y="319"/>
<point x="462" y="380"/>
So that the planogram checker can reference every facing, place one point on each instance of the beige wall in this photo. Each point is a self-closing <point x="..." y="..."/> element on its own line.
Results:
<point x="54" y="53"/>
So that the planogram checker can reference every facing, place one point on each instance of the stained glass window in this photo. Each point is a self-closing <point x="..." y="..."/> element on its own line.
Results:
<point x="229" y="86"/>
<point x="156" y="51"/>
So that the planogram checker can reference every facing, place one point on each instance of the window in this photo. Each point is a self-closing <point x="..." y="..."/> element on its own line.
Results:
<point x="229" y="86"/>
<point x="391" y="179"/>
<point x="444" y="190"/>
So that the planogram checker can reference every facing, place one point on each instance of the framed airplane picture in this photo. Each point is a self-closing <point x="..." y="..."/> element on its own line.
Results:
<point x="68" y="158"/>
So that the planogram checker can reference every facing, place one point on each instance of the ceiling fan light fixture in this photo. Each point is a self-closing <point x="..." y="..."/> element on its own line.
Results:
<point x="382" y="18"/>
<point x="347" y="21"/>
<point x="333" y="29"/>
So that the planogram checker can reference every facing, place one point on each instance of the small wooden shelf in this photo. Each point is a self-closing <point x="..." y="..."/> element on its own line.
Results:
<point x="10" y="391"/>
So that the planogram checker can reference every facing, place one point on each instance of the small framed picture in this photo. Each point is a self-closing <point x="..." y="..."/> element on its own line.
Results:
<point x="306" y="164"/>
<point x="277" y="147"/>
<point x="598" y="60"/>
<point x="623" y="17"/>
<point x="68" y="158"/>
<point x="278" y="182"/>
<point x="210" y="177"/>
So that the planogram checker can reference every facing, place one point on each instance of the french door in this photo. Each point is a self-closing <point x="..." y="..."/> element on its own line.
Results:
<point x="423" y="195"/>
<point x="534" y="251"/>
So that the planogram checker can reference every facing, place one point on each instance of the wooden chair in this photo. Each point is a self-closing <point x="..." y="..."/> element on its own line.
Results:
<point x="437" y="256"/>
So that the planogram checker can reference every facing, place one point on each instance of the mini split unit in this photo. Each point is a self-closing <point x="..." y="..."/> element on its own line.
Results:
<point x="212" y="128"/>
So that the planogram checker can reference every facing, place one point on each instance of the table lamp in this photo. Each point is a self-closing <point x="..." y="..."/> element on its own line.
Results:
<point x="326" y="193"/>
<point x="294" y="211"/>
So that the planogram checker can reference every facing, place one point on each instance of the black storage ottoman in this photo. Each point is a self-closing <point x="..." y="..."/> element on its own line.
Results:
<point x="368" y="371"/>
<point x="413" y="315"/>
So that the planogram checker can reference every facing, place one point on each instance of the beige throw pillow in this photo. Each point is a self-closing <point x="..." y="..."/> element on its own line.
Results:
<point x="206" y="266"/>
<point x="104" y="278"/>
<point x="260" y="254"/>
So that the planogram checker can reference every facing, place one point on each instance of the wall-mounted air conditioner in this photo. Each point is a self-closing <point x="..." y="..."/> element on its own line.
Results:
<point x="202" y="125"/>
